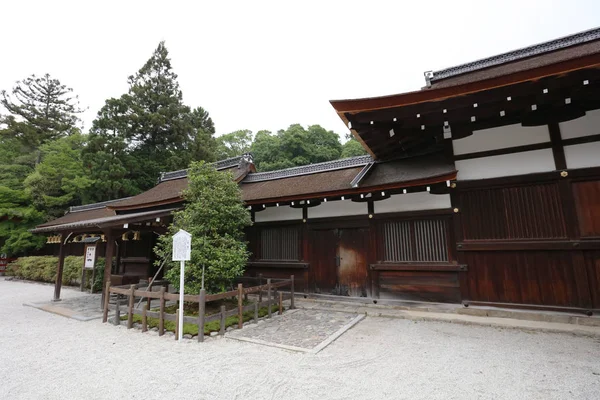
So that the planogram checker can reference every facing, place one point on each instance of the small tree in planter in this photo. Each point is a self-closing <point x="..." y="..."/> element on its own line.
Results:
<point x="216" y="217"/>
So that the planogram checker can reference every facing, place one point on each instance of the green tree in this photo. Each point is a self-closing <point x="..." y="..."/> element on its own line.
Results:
<point x="216" y="218"/>
<point x="40" y="109"/>
<point x="146" y="131"/>
<point x="352" y="148"/>
<point x="59" y="180"/>
<point x="295" y="146"/>
<point x="234" y="144"/>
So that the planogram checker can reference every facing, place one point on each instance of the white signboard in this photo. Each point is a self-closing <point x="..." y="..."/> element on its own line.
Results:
<point x="90" y="257"/>
<point x="182" y="246"/>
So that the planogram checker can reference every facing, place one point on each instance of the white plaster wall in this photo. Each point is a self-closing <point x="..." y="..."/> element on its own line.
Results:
<point x="412" y="202"/>
<point x="501" y="138"/>
<point x="337" y="208"/>
<point x="583" y="155"/>
<point x="283" y="213"/>
<point x="526" y="162"/>
<point x="587" y="125"/>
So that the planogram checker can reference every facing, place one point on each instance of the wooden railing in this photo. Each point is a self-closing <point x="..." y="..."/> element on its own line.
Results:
<point x="270" y="289"/>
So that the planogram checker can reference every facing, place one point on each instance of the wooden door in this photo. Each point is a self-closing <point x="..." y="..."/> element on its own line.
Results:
<point x="352" y="271"/>
<point x="323" y="269"/>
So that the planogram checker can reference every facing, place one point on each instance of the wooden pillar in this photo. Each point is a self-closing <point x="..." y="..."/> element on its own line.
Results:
<point x="59" y="272"/>
<point x="108" y="254"/>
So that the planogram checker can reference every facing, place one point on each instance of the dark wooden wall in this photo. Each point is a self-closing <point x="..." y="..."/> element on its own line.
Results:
<point x="408" y="256"/>
<point x="532" y="239"/>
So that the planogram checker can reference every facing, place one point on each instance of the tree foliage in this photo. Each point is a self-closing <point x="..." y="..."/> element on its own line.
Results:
<point x="59" y="180"/>
<point x="146" y="131"/>
<point x="352" y="148"/>
<point x="38" y="178"/>
<point x="40" y="109"/>
<point x="234" y="144"/>
<point x="295" y="146"/>
<point x="215" y="216"/>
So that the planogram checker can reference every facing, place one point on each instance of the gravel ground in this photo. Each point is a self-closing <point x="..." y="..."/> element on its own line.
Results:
<point x="45" y="356"/>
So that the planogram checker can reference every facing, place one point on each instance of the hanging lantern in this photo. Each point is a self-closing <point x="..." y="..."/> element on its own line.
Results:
<point x="137" y="235"/>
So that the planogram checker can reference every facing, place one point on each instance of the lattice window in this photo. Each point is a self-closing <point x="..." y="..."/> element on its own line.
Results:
<point x="418" y="241"/>
<point x="279" y="244"/>
<point x="521" y="212"/>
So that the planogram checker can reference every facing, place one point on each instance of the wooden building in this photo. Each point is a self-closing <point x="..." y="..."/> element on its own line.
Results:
<point x="482" y="187"/>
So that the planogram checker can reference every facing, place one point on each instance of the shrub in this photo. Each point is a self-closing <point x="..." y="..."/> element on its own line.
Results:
<point x="43" y="269"/>
<point x="216" y="217"/>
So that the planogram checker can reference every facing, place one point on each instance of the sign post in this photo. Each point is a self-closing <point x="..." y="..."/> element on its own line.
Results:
<point x="182" y="252"/>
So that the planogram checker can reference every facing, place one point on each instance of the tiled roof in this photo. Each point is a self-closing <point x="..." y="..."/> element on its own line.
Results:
<point x="309" y="169"/>
<point x="540" y="49"/>
<point x="94" y="206"/>
<point x="220" y="165"/>
<point x="74" y="216"/>
<point x="404" y="171"/>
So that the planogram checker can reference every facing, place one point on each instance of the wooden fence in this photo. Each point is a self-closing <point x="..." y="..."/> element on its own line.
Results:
<point x="273" y="297"/>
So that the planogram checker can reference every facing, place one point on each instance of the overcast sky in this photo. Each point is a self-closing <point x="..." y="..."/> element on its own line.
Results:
<point x="265" y="65"/>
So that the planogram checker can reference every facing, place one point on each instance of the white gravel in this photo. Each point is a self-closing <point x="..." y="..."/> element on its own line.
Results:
<point x="45" y="356"/>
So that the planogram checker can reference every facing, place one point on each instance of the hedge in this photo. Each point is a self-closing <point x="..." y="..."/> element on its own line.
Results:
<point x="43" y="269"/>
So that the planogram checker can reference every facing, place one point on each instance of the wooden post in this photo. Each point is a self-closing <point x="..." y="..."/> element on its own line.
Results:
<point x="108" y="254"/>
<point x="82" y="284"/>
<point x="280" y="303"/>
<point x="292" y="304"/>
<point x="177" y="316"/>
<point x="106" y="298"/>
<point x="260" y="291"/>
<point x="117" y="320"/>
<point x="269" y="296"/>
<point x="161" y="314"/>
<point x="255" y="313"/>
<point x="145" y="319"/>
<point x="222" y="328"/>
<point x="130" y="307"/>
<point x="240" y="306"/>
<point x="201" y="314"/>
<point x="59" y="272"/>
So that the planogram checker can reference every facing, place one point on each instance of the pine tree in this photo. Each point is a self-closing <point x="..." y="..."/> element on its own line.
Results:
<point x="40" y="109"/>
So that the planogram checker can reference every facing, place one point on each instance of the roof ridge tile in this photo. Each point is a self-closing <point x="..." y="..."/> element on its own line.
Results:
<point x="308" y="169"/>
<point x="518" y="54"/>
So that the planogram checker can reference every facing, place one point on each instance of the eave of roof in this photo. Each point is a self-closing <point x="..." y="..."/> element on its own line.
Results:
<point x="105" y="222"/>
<point x="354" y="106"/>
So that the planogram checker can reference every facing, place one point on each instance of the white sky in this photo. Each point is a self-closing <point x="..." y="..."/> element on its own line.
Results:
<point x="265" y="65"/>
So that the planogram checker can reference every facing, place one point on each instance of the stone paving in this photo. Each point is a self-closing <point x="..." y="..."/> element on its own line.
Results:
<point x="83" y="307"/>
<point x="297" y="329"/>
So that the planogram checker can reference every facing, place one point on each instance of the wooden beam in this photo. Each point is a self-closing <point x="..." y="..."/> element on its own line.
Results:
<point x="558" y="150"/>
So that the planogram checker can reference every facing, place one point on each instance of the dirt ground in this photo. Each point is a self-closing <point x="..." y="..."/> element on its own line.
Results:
<point x="46" y="356"/>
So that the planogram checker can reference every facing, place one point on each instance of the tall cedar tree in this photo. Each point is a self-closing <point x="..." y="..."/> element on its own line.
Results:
<point x="146" y="131"/>
<point x="40" y="110"/>
<point x="215" y="216"/>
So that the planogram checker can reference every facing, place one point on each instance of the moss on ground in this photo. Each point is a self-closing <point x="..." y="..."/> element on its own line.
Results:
<point x="213" y="326"/>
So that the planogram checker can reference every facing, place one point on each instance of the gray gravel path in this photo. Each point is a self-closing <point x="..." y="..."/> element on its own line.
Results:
<point x="45" y="356"/>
